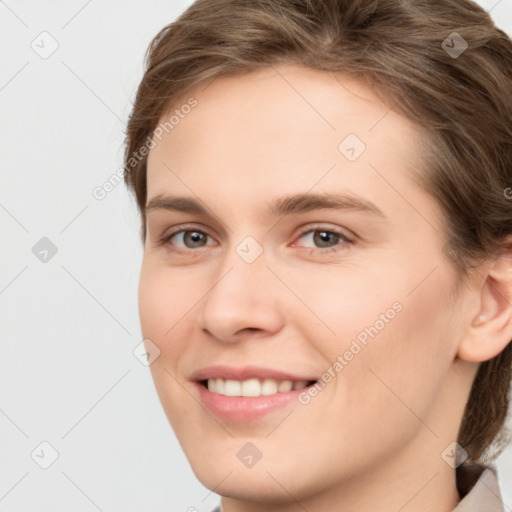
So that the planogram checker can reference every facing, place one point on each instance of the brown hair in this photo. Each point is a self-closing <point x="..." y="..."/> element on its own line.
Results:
<point x="404" y="50"/>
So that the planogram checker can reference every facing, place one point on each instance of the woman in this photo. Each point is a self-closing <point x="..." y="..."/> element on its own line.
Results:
<point x="324" y="190"/>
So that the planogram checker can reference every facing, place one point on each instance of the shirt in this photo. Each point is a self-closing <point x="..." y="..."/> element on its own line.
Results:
<point x="477" y="486"/>
<point x="479" y="490"/>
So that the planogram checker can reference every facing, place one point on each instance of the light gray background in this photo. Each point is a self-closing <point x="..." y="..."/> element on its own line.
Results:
<point x="70" y="325"/>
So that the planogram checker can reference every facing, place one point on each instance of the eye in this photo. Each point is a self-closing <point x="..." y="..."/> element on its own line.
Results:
<point x="326" y="239"/>
<point x="186" y="239"/>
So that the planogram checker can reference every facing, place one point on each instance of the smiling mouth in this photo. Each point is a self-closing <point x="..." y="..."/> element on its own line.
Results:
<point x="254" y="387"/>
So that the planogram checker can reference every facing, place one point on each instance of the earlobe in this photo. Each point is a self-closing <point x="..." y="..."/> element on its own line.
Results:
<point x="491" y="327"/>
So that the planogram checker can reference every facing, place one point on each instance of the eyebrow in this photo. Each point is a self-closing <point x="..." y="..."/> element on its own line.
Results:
<point x="297" y="203"/>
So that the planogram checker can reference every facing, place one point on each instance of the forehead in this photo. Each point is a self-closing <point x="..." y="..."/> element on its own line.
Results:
<point x="286" y="129"/>
<point x="279" y="105"/>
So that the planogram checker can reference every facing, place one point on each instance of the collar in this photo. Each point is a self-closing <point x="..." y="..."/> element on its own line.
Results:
<point x="478" y="488"/>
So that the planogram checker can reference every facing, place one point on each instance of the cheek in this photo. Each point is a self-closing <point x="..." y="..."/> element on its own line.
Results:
<point x="395" y="345"/>
<point x="337" y="303"/>
<point x="163" y="308"/>
<point x="164" y="303"/>
<point x="397" y="375"/>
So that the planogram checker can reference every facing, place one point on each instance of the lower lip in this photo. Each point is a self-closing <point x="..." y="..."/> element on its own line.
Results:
<point x="242" y="408"/>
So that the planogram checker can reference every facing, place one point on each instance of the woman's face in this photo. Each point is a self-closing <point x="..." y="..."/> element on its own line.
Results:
<point x="302" y="251"/>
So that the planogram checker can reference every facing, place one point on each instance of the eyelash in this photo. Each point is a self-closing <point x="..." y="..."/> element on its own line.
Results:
<point x="165" y="240"/>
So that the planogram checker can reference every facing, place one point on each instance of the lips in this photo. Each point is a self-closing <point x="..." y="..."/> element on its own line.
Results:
<point x="247" y="393"/>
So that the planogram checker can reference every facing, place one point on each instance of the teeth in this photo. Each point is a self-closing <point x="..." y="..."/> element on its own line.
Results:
<point x="253" y="387"/>
<point x="284" y="386"/>
<point x="300" y="384"/>
<point x="232" y="388"/>
<point x="269" y="387"/>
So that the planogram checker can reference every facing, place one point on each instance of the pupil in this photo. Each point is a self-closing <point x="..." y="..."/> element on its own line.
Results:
<point x="322" y="238"/>
<point x="194" y="236"/>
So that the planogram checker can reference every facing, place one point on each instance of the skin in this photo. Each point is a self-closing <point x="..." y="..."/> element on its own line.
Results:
<point x="372" y="438"/>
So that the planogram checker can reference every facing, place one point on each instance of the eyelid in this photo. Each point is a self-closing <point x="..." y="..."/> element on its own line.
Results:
<point x="168" y="234"/>
<point x="302" y="231"/>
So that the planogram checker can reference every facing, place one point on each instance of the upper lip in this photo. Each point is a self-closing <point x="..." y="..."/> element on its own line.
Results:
<point x="244" y="373"/>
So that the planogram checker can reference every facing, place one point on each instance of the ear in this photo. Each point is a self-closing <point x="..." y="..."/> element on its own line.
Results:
<point x="491" y="328"/>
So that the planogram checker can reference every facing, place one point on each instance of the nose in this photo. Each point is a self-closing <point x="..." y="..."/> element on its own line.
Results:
<point x="243" y="300"/>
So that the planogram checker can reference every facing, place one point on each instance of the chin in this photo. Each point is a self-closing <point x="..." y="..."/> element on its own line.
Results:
<point x="246" y="485"/>
<point x="264" y="483"/>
